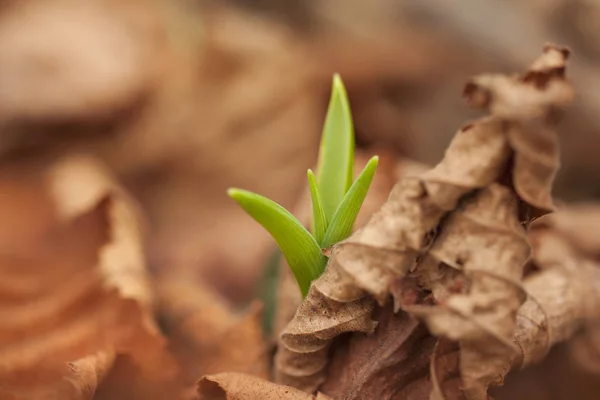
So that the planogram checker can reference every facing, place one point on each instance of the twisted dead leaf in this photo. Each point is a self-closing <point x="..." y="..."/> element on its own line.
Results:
<point x="563" y="295"/>
<point x="562" y="300"/>
<point x="392" y="363"/>
<point x="74" y="292"/>
<point x="457" y="228"/>
<point x="488" y="248"/>
<point x="477" y="307"/>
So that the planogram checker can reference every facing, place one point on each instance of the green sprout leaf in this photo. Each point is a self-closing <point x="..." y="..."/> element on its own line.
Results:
<point x="340" y="226"/>
<point x="336" y="156"/>
<point x="336" y="201"/>
<point x="319" y="221"/>
<point x="300" y="249"/>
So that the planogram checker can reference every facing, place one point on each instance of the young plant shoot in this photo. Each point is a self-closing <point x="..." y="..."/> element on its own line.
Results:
<point x="336" y="199"/>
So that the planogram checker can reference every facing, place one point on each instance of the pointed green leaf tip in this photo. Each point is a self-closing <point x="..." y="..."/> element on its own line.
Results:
<point x="336" y="155"/>
<point x="340" y="226"/>
<point x="299" y="248"/>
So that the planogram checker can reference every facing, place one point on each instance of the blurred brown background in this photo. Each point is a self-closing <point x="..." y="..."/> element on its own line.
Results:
<point x="182" y="99"/>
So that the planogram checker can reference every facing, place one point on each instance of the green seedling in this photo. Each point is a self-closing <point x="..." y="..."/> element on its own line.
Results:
<point x="336" y="199"/>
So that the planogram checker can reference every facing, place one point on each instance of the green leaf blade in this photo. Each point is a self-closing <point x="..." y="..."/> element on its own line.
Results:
<point x="336" y="155"/>
<point x="300" y="249"/>
<point x="340" y="226"/>
<point x="319" y="221"/>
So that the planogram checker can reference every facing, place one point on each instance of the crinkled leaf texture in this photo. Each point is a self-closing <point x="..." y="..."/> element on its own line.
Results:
<point x="457" y="231"/>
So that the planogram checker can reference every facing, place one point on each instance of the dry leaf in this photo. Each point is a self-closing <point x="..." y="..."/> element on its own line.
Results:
<point x="488" y="246"/>
<point x="484" y="240"/>
<point x="74" y="289"/>
<point x="174" y="117"/>
<point x="445" y="371"/>
<point x="302" y="354"/>
<point x="478" y="302"/>
<point x="562" y="299"/>
<point x="98" y="63"/>
<point x="233" y="386"/>
<point x="205" y="333"/>
<point x="563" y="295"/>
<point x="392" y="363"/>
<point x="74" y="380"/>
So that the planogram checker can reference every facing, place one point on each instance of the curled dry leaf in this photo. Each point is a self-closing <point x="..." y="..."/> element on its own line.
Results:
<point x="494" y="169"/>
<point x="485" y="242"/>
<point x="302" y="355"/>
<point x="563" y="296"/>
<point x="233" y="386"/>
<point x="391" y="363"/>
<point x="74" y="292"/>
<point x="206" y="335"/>
<point x="475" y="265"/>
<point x="562" y="302"/>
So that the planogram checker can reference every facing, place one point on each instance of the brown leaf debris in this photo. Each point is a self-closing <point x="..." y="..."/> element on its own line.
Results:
<point x="563" y="294"/>
<point x="74" y="292"/>
<point x="391" y="363"/>
<point x="456" y="229"/>
<point x="205" y="333"/>
<point x="235" y="386"/>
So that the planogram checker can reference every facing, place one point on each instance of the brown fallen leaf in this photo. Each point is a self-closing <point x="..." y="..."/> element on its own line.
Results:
<point x="484" y="240"/>
<point x="206" y="334"/>
<point x="302" y="354"/>
<point x="445" y="371"/>
<point x="513" y="148"/>
<point x="489" y="248"/>
<point x="102" y="62"/>
<point x="171" y="95"/>
<point x="563" y="296"/>
<point x="74" y="291"/>
<point x="74" y="380"/>
<point x="234" y="386"/>
<point x="392" y="363"/>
